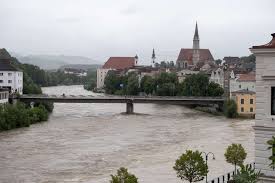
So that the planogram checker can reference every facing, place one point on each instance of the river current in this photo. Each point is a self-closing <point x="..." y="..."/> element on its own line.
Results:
<point x="88" y="142"/>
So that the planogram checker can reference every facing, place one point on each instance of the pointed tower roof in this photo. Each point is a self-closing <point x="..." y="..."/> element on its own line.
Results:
<point x="196" y="35"/>
<point x="153" y="54"/>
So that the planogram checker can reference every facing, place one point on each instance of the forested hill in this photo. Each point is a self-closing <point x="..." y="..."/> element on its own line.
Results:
<point x="29" y="87"/>
<point x="35" y="77"/>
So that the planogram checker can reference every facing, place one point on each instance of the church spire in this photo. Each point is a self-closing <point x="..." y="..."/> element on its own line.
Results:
<point x="153" y="58"/>
<point x="196" y="40"/>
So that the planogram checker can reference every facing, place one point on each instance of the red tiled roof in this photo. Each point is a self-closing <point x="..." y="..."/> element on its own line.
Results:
<point x="246" y="77"/>
<point x="187" y="54"/>
<point x="271" y="44"/>
<point x="119" y="63"/>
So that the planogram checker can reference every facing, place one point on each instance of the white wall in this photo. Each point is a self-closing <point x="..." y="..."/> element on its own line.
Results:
<point x="13" y="79"/>
<point x="217" y="76"/>
<point x="100" y="77"/>
<point x="4" y="97"/>
<point x="236" y="85"/>
<point x="264" y="122"/>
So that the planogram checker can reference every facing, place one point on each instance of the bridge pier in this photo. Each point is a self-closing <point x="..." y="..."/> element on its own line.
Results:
<point x="129" y="108"/>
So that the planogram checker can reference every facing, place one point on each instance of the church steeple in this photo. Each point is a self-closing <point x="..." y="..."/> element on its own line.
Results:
<point x="196" y="39"/>
<point x="153" y="58"/>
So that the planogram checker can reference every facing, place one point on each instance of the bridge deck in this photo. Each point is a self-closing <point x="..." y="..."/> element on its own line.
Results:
<point x="124" y="99"/>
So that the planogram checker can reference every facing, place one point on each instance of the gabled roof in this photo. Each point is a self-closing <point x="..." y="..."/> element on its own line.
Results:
<point x="271" y="44"/>
<point x="119" y="63"/>
<point x="187" y="54"/>
<point x="243" y="91"/>
<point x="5" y="66"/>
<point x="247" y="77"/>
<point x="4" y="54"/>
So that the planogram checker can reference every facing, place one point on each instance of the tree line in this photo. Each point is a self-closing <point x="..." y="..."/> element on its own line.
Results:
<point x="22" y="115"/>
<point x="191" y="166"/>
<point x="164" y="84"/>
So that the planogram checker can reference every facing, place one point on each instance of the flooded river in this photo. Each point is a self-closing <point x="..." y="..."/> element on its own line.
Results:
<point x="88" y="142"/>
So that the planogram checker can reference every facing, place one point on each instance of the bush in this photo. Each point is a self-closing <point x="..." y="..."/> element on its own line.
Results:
<point x="123" y="176"/>
<point x="230" y="109"/>
<point x="16" y="116"/>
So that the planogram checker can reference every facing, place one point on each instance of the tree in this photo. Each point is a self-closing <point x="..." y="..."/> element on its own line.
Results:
<point x="195" y="85"/>
<point x="123" y="176"/>
<point x="132" y="84"/>
<point x="230" y="109"/>
<point x="111" y="82"/>
<point x="271" y="146"/>
<point x="191" y="166"/>
<point x="214" y="89"/>
<point x="147" y="84"/>
<point x="247" y="174"/>
<point x="235" y="154"/>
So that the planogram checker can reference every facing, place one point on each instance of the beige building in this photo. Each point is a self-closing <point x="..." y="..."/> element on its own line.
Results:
<point x="114" y="63"/>
<point x="265" y="107"/>
<point x="246" y="102"/>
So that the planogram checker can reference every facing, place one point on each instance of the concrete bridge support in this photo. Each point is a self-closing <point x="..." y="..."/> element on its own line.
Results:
<point x="129" y="108"/>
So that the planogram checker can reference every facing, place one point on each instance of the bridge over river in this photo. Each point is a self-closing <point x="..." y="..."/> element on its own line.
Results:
<point x="128" y="100"/>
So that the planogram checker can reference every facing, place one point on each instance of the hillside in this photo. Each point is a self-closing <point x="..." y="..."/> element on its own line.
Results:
<point x="52" y="62"/>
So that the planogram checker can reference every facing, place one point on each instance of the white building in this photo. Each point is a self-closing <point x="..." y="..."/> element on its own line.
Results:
<point x="265" y="107"/>
<point x="10" y="77"/>
<point x="217" y="76"/>
<point x="114" y="63"/>
<point x="101" y="74"/>
<point x="242" y="82"/>
<point x="4" y="96"/>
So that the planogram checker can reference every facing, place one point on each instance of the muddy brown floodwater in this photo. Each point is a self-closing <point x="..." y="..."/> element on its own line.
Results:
<point x="88" y="142"/>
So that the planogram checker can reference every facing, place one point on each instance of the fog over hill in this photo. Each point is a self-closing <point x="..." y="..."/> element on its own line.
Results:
<point x="50" y="62"/>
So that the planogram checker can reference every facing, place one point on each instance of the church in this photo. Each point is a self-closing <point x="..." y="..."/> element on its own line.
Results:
<point x="194" y="58"/>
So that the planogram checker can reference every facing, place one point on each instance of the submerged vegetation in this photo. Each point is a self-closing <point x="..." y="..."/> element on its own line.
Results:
<point x="21" y="115"/>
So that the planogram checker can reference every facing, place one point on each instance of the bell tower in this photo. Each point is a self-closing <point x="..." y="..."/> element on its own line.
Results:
<point x="196" y="46"/>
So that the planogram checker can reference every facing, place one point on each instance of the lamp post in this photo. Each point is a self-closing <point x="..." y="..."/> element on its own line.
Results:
<point x="206" y="160"/>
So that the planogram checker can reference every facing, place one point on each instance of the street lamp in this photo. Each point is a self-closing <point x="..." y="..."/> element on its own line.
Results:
<point x="206" y="159"/>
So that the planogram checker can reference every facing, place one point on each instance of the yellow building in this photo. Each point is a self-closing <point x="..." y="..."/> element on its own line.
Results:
<point x="246" y="102"/>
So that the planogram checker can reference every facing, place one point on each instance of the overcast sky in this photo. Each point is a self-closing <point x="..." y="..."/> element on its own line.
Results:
<point x="102" y="28"/>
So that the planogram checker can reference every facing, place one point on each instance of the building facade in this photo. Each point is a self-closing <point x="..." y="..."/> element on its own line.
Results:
<point x="243" y="82"/>
<point x="10" y="77"/>
<point x="4" y="96"/>
<point x="246" y="102"/>
<point x="265" y="107"/>
<point x="217" y="76"/>
<point x="114" y="63"/>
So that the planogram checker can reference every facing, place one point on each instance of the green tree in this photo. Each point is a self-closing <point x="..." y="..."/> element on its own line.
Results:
<point x="123" y="176"/>
<point x="247" y="174"/>
<point x="191" y="166"/>
<point x="235" y="154"/>
<point x="147" y="84"/>
<point x="215" y="89"/>
<point x="230" y="109"/>
<point x="195" y="85"/>
<point x="271" y="147"/>
<point x="112" y="82"/>
<point x="132" y="84"/>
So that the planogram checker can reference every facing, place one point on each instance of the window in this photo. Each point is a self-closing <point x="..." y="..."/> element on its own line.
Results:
<point x="242" y="101"/>
<point x="240" y="86"/>
<point x="242" y="109"/>
<point x="1" y="74"/>
<point x="251" y="109"/>
<point x="9" y="81"/>
<point x="1" y="81"/>
<point x="251" y="101"/>
<point x="9" y="74"/>
<point x="272" y="100"/>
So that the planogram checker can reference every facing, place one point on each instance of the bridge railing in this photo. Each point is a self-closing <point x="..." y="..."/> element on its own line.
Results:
<point x="228" y="176"/>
